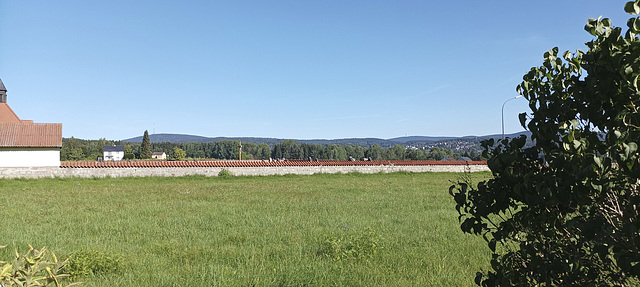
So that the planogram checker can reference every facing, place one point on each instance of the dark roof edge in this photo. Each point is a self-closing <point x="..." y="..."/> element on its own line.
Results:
<point x="113" y="148"/>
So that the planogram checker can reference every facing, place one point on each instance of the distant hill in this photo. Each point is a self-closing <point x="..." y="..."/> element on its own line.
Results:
<point x="420" y="139"/>
<point x="366" y="142"/>
<point x="173" y="138"/>
<point x="498" y="136"/>
<point x="427" y="140"/>
<point x="180" y="138"/>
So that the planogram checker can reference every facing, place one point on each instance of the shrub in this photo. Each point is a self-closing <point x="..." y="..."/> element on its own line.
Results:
<point x="566" y="211"/>
<point x="179" y="154"/>
<point x="89" y="262"/>
<point x="129" y="156"/>
<point x="225" y="173"/>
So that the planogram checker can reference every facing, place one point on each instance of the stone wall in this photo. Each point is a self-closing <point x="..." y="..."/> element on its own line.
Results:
<point x="39" y="172"/>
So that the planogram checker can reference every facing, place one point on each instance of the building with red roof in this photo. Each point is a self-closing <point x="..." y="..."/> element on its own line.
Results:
<point x="24" y="143"/>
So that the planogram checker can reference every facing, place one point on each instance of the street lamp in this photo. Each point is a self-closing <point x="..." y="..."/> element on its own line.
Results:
<point x="505" y="102"/>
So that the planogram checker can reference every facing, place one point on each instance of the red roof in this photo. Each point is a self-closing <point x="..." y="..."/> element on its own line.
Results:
<point x="26" y="134"/>
<point x="254" y="163"/>
<point x="7" y="115"/>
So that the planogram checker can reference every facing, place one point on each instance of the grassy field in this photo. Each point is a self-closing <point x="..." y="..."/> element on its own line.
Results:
<point x="250" y="231"/>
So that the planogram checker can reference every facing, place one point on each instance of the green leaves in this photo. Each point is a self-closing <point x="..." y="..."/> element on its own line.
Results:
<point x="632" y="7"/>
<point x="33" y="269"/>
<point x="566" y="211"/>
<point x="634" y="25"/>
<point x="523" y="119"/>
<point x="598" y="27"/>
<point x="88" y="262"/>
<point x="179" y="154"/>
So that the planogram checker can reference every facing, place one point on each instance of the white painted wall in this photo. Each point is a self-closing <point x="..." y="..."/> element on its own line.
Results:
<point x="112" y="155"/>
<point x="163" y="156"/>
<point x="29" y="157"/>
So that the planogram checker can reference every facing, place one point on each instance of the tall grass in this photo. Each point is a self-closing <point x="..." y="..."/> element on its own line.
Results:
<point x="239" y="231"/>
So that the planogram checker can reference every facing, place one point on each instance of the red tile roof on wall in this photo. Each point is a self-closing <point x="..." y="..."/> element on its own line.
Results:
<point x="253" y="163"/>
<point x="25" y="134"/>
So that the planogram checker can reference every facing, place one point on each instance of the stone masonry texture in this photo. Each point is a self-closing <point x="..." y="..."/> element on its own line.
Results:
<point x="52" y="172"/>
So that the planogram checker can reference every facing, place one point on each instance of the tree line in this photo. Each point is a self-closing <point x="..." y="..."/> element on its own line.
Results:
<point x="78" y="149"/>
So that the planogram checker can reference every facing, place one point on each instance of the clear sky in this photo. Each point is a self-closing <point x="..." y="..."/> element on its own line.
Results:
<point x="284" y="69"/>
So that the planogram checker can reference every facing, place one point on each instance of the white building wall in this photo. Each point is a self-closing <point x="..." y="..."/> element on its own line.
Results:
<point x="162" y="156"/>
<point x="29" y="157"/>
<point x="113" y="155"/>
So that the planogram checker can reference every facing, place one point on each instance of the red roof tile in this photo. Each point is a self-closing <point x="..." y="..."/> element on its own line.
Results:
<point x="255" y="163"/>
<point x="25" y="134"/>
<point x="7" y="115"/>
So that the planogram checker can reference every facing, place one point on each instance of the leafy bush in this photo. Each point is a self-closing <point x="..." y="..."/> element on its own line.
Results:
<point x="343" y="246"/>
<point x="33" y="269"/>
<point x="179" y="154"/>
<point x="89" y="262"/>
<point x="567" y="210"/>
<point x="225" y="173"/>
<point x="129" y="156"/>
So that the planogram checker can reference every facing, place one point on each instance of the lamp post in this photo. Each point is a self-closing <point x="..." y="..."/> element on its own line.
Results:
<point x="505" y="102"/>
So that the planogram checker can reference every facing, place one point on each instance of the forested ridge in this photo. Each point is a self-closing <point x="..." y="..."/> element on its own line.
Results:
<point x="79" y="149"/>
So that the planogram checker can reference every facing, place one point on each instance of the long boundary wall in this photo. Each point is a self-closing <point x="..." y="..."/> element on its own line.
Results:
<point x="43" y="172"/>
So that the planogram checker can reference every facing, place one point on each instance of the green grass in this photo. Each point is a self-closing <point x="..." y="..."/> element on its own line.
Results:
<point x="248" y="231"/>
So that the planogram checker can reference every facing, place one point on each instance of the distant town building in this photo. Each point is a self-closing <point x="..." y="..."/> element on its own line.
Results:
<point x="113" y="152"/>
<point x="24" y="143"/>
<point x="159" y="155"/>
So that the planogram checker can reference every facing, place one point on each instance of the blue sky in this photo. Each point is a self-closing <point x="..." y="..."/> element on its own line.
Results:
<point x="282" y="69"/>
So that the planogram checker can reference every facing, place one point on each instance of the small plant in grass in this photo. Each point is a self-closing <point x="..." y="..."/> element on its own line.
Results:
<point x="34" y="268"/>
<point x="88" y="262"/>
<point x="339" y="247"/>
<point x="225" y="173"/>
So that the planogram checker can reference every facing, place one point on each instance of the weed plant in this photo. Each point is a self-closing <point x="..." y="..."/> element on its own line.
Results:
<point x="349" y="246"/>
<point x="92" y="262"/>
<point x="225" y="173"/>
<point x="398" y="229"/>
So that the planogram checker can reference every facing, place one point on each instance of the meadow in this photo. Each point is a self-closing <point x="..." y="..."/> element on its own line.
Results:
<point x="398" y="229"/>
